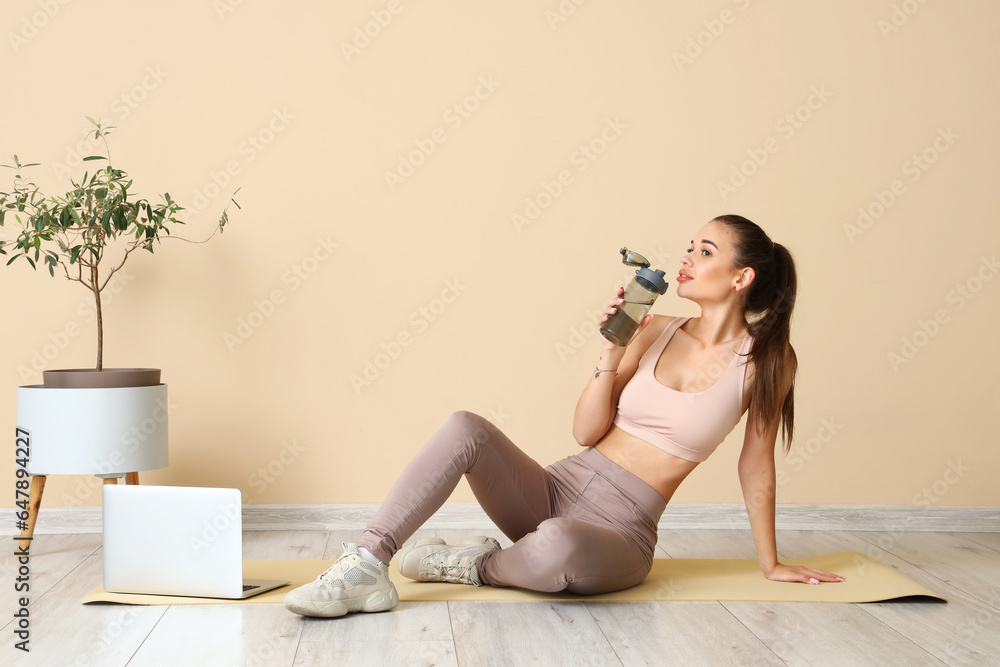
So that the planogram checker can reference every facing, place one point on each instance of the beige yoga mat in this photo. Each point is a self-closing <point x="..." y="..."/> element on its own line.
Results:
<point x="866" y="580"/>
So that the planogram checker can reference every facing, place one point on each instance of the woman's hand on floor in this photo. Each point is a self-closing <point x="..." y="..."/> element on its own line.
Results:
<point x="801" y="573"/>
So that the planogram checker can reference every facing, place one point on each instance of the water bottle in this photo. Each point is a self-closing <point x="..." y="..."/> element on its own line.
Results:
<point x="645" y="286"/>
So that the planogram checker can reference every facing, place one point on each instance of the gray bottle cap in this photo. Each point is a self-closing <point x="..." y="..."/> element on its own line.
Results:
<point x="651" y="279"/>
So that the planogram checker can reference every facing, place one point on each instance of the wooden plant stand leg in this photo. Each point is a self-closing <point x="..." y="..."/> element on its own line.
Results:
<point x="110" y="480"/>
<point x="132" y="478"/>
<point x="34" y="502"/>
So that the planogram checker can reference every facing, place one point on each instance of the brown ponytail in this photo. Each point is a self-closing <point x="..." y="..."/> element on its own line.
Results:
<point x="768" y="312"/>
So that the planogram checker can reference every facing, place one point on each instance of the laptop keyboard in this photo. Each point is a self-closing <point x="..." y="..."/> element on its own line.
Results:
<point x="249" y="587"/>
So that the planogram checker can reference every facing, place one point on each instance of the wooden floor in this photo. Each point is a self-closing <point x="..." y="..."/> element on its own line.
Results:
<point x="964" y="567"/>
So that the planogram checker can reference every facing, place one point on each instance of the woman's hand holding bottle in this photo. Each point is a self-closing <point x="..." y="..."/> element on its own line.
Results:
<point x="610" y="310"/>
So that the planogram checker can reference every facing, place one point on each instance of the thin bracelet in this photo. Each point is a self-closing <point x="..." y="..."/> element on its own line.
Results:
<point x="598" y="371"/>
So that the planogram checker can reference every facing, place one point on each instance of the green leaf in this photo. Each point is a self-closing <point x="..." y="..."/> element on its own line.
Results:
<point x="30" y="261"/>
<point x="12" y="259"/>
<point x="92" y="121"/>
<point x="94" y="157"/>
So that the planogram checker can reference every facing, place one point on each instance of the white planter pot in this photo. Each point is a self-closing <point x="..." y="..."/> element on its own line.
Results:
<point x="105" y="432"/>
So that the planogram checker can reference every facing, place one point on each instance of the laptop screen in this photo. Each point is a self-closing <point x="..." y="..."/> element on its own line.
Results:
<point x="173" y="540"/>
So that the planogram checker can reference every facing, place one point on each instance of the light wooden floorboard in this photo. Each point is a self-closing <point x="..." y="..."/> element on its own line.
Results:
<point x="350" y="651"/>
<point x="224" y="634"/>
<point x="65" y="632"/>
<point x="679" y="633"/>
<point x="947" y="631"/>
<point x="961" y="566"/>
<point x="50" y="559"/>
<point x="705" y="543"/>
<point x="954" y="559"/>
<point x="528" y="633"/>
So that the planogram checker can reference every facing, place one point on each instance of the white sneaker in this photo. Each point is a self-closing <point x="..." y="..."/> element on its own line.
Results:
<point x="350" y="584"/>
<point x="433" y="560"/>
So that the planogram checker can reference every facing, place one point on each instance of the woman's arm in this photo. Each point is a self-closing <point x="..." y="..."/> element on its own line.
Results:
<point x="598" y="403"/>
<point x="757" y="478"/>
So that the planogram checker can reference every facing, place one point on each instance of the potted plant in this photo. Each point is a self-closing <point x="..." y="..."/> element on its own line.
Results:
<point x="102" y="421"/>
<point x="73" y="233"/>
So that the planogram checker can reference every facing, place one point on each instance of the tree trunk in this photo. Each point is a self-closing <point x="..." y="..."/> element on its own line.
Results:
<point x="95" y="286"/>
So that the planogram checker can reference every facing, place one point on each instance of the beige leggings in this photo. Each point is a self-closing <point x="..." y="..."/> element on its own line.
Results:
<point x="583" y="524"/>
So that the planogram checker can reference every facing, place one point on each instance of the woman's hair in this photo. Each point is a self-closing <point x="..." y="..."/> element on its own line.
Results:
<point x="768" y="312"/>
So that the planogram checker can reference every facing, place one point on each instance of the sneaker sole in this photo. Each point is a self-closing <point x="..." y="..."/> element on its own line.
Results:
<point x="374" y="602"/>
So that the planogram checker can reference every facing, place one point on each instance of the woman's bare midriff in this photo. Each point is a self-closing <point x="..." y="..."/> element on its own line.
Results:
<point x="662" y="471"/>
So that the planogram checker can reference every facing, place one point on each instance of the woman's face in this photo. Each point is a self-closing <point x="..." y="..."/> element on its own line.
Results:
<point x="707" y="272"/>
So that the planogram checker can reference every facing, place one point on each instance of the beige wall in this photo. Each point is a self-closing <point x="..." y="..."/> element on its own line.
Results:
<point x="843" y="99"/>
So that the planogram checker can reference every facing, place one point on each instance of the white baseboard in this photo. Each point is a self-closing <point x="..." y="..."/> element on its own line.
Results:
<point x="471" y="516"/>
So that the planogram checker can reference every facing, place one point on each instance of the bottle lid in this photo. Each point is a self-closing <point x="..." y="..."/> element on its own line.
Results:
<point x="632" y="258"/>
<point x="651" y="279"/>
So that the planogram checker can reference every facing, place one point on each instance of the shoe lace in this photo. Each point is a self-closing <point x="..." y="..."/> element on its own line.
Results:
<point x="339" y="567"/>
<point x="450" y="572"/>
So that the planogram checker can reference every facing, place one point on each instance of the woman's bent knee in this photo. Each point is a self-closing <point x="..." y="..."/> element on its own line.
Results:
<point x="467" y="421"/>
<point x="469" y="427"/>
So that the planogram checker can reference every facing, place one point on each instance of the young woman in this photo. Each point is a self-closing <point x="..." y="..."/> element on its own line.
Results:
<point x="649" y="414"/>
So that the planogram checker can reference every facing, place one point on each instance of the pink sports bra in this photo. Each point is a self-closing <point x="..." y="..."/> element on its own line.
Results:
<point x="686" y="424"/>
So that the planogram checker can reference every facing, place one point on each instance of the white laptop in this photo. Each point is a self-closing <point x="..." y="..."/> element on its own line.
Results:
<point x="176" y="540"/>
